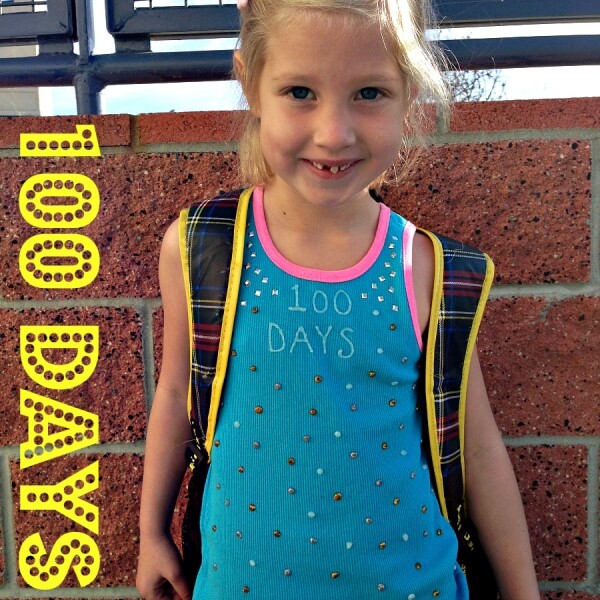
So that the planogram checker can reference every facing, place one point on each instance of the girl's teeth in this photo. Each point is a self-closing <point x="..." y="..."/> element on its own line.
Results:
<point x="334" y="170"/>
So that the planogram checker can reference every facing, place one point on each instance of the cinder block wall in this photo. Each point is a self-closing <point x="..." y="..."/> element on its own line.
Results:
<point x="518" y="179"/>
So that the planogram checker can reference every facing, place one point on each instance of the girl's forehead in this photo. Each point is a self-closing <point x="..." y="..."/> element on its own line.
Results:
<point x="315" y="51"/>
<point x="333" y="32"/>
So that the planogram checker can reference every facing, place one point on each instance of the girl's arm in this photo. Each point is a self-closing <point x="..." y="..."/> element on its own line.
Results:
<point x="160" y="573"/>
<point x="493" y="498"/>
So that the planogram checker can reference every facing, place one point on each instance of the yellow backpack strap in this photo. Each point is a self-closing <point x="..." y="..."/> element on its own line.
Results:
<point x="463" y="278"/>
<point x="462" y="281"/>
<point x="211" y="245"/>
<point x="233" y="288"/>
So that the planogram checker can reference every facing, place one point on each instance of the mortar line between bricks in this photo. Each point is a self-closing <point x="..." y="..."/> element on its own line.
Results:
<point x="554" y="291"/>
<point x="12" y="452"/>
<point x="134" y="133"/>
<point x="442" y="121"/>
<point x="595" y="212"/>
<point x="10" y="153"/>
<point x="136" y="303"/>
<point x="8" y="524"/>
<point x="120" y="593"/>
<point x="137" y="147"/>
<point x="561" y="586"/>
<point x="590" y="441"/>
<point x="512" y="135"/>
<point x="593" y="519"/>
<point x="191" y="147"/>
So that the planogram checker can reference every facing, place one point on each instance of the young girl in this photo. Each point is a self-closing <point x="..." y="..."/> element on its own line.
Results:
<point x="318" y="483"/>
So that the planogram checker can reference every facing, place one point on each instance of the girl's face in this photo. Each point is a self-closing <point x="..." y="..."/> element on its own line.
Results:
<point x="332" y="104"/>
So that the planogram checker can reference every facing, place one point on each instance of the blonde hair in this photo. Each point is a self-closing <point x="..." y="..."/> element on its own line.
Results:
<point x="403" y="25"/>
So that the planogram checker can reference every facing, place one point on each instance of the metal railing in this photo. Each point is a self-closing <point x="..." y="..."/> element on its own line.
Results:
<point x="55" y="25"/>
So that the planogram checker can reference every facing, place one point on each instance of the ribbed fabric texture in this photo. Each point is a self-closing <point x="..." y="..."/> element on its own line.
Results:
<point x="318" y="485"/>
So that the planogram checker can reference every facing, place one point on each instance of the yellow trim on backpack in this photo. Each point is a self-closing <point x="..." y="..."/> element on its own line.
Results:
<point x="462" y="407"/>
<point x="233" y="287"/>
<point x="183" y="254"/>
<point x="436" y="300"/>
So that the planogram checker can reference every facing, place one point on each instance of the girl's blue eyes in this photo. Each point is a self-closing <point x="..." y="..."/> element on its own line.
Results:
<point x="300" y="93"/>
<point x="369" y="93"/>
<point x="303" y="93"/>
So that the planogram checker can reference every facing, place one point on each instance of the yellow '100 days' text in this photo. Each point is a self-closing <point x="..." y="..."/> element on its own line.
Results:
<point x="59" y="261"/>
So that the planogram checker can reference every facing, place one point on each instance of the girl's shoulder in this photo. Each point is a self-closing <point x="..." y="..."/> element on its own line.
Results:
<point x="423" y="269"/>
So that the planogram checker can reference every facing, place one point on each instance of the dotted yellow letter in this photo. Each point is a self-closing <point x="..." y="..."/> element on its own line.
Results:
<point x="82" y="143"/>
<point x="54" y="429"/>
<point x="60" y="260"/>
<point x="60" y="342"/>
<point x="64" y="200"/>
<point x="71" y="550"/>
<point x="65" y="497"/>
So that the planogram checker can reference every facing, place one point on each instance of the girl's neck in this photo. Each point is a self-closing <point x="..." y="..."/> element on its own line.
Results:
<point x="314" y="220"/>
<point x="326" y="238"/>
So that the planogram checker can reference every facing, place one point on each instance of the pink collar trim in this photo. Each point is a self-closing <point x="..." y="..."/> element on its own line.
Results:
<point x="317" y="274"/>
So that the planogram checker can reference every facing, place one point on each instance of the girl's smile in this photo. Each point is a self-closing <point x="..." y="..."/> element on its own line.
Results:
<point x="332" y="105"/>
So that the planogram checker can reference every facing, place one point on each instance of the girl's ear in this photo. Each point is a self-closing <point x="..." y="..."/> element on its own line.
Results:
<point x="239" y="71"/>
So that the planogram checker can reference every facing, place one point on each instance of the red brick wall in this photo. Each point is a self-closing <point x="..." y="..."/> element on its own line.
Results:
<point x="518" y="179"/>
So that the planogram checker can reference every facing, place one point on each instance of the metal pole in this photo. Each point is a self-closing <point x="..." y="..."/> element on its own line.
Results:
<point x="87" y="86"/>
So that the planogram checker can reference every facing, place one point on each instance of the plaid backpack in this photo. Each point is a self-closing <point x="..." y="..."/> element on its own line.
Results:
<point x="211" y="239"/>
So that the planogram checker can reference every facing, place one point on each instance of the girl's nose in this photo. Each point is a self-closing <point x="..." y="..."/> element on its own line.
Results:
<point x="334" y="129"/>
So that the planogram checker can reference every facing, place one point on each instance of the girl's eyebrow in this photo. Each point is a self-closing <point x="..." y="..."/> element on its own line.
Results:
<point x="290" y="75"/>
<point x="359" y="80"/>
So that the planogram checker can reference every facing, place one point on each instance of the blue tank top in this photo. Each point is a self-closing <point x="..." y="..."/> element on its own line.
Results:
<point x="318" y="483"/>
